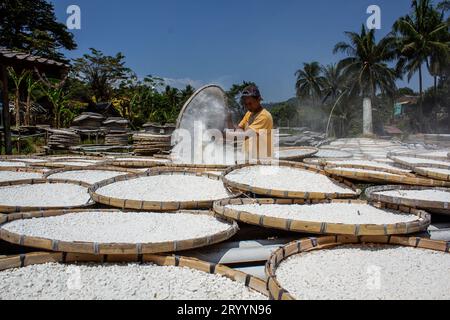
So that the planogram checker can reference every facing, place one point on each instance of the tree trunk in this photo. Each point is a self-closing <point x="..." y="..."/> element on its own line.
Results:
<point x="28" y="111"/>
<point x="6" y="115"/>
<point x="421" y="92"/>
<point x="17" y="104"/>
<point x="367" y="117"/>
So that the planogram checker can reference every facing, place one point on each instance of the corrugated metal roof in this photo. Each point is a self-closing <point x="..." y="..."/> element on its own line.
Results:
<point x="17" y="55"/>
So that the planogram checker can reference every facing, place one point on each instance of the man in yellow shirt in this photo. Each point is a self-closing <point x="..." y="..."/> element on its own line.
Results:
<point x="256" y="127"/>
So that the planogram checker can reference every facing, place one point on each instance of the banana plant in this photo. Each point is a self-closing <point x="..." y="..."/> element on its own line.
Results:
<point x="17" y="79"/>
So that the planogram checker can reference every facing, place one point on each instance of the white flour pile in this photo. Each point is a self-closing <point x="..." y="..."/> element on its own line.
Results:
<point x="367" y="164"/>
<point x="119" y="227"/>
<point x="88" y="176"/>
<point x="15" y="176"/>
<point x="211" y="154"/>
<point x="426" y="194"/>
<point x="44" y="195"/>
<point x="329" y="213"/>
<point x="367" y="273"/>
<point x="167" y="188"/>
<point x="54" y="281"/>
<point x="286" y="179"/>
<point x="12" y="164"/>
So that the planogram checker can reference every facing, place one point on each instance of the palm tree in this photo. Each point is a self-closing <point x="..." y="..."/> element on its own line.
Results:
<point x="333" y="82"/>
<point x="366" y="68"/>
<point x="309" y="81"/>
<point x="423" y="39"/>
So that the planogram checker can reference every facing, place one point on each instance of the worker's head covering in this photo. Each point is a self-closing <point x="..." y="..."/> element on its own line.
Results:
<point x="251" y="91"/>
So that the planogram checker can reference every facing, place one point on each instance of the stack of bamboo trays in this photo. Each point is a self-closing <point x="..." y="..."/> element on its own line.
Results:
<point x="147" y="144"/>
<point x="62" y="139"/>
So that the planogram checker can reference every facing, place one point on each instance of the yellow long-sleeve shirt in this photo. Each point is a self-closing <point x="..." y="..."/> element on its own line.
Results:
<point x="261" y="146"/>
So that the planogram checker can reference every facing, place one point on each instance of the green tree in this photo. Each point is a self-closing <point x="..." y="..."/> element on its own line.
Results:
<point x="333" y="82"/>
<point x="309" y="81"/>
<point x="31" y="26"/>
<point x="444" y="6"/>
<point x="423" y="39"/>
<point x="101" y="73"/>
<point x="366" y="67"/>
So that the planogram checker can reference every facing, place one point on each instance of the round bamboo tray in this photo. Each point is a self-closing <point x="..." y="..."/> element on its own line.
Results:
<point x="393" y="170"/>
<point x="429" y="173"/>
<point x="272" y="193"/>
<point x="21" y="261"/>
<point x="137" y="162"/>
<point x="419" y="156"/>
<point x="10" y="165"/>
<point x="24" y="169"/>
<point x="67" y="164"/>
<point x="211" y="173"/>
<point x="71" y="157"/>
<point x="306" y="152"/>
<point x="100" y="168"/>
<point x="154" y="205"/>
<point x="111" y="248"/>
<point x="12" y="209"/>
<point x="425" y="164"/>
<point x="440" y="207"/>
<point x="333" y="153"/>
<point x="277" y="292"/>
<point x="385" y="177"/>
<point x="317" y="227"/>
<point x="206" y="167"/>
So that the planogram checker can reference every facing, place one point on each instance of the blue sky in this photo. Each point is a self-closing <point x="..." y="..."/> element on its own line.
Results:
<point x="224" y="42"/>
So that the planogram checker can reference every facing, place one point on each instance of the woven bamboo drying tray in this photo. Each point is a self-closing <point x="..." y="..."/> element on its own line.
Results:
<point x="422" y="223"/>
<point x="429" y="173"/>
<point x="197" y="166"/>
<point x="12" y="209"/>
<point x="276" y="292"/>
<point x="329" y="164"/>
<point x="204" y="171"/>
<point x="154" y="205"/>
<point x="21" y="261"/>
<point x="61" y="164"/>
<point x="432" y="206"/>
<point x="99" y="168"/>
<point x="137" y="162"/>
<point x="110" y="248"/>
<point x="413" y="165"/>
<point x="385" y="177"/>
<point x="309" y="152"/>
<point x="24" y="169"/>
<point x="289" y="194"/>
<point x="417" y="155"/>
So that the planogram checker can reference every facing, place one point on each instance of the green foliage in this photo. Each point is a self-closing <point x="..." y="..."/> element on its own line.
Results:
<point x="101" y="73"/>
<point x="31" y="26"/>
